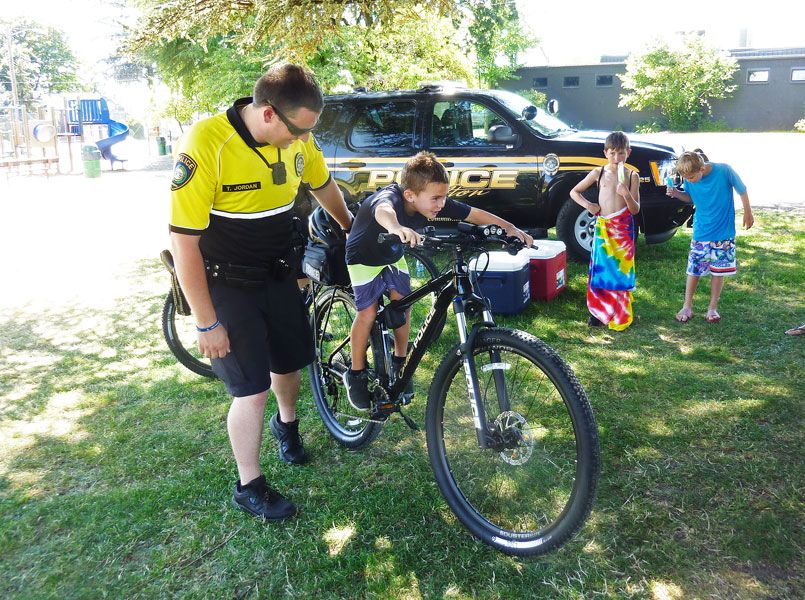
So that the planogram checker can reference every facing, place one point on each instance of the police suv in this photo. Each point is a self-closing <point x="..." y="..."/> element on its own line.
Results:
<point x="503" y="155"/>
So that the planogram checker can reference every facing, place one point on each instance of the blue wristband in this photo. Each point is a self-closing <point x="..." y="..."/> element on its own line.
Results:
<point x="210" y="328"/>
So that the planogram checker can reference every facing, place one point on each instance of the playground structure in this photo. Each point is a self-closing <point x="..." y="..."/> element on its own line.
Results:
<point x="32" y="141"/>
<point x="28" y="140"/>
<point x="83" y="113"/>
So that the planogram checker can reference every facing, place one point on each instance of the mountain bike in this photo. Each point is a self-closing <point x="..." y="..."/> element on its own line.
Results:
<point x="510" y="433"/>
<point x="179" y="329"/>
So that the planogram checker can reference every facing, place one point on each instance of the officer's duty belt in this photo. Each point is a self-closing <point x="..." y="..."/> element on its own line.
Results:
<point x="244" y="276"/>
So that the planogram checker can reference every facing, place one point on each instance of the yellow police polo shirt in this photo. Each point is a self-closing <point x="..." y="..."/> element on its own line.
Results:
<point x="224" y="189"/>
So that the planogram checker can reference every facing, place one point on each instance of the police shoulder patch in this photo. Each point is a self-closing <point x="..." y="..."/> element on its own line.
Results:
<point x="183" y="171"/>
<point x="299" y="164"/>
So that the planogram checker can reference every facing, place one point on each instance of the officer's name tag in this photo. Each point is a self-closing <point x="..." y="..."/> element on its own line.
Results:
<point x="241" y="187"/>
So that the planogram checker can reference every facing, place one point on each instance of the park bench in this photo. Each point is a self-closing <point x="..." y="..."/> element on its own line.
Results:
<point x="16" y="164"/>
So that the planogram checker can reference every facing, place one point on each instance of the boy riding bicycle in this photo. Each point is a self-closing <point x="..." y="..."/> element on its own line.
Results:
<point x="377" y="268"/>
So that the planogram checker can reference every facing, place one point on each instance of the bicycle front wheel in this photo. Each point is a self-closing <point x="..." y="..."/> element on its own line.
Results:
<point x="182" y="339"/>
<point x="533" y="489"/>
<point x="331" y="320"/>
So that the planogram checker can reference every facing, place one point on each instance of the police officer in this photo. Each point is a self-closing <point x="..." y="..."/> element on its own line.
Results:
<point x="232" y="233"/>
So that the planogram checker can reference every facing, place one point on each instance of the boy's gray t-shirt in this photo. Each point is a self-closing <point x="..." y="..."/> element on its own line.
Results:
<point x="362" y="245"/>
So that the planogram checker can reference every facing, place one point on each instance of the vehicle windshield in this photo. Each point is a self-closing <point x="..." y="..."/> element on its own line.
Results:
<point x="544" y="123"/>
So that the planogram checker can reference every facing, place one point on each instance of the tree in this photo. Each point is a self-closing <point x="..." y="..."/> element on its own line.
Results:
<point x="384" y="57"/>
<point x="210" y="75"/>
<point x="300" y="24"/>
<point x="680" y="84"/>
<point x="216" y="50"/>
<point x="43" y="62"/>
<point x="397" y="51"/>
<point x="495" y="33"/>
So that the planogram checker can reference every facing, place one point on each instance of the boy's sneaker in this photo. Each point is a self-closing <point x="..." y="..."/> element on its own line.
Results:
<point x="396" y="365"/>
<point x="358" y="389"/>
<point x="259" y="500"/>
<point x="594" y="322"/>
<point x="290" y="442"/>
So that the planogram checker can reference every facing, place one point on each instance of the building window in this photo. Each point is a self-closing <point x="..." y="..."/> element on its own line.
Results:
<point x="570" y="82"/>
<point x="603" y="80"/>
<point x="757" y="76"/>
<point x="540" y="82"/>
<point x="798" y="75"/>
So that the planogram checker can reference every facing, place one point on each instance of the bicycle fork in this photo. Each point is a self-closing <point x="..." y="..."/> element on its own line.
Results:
<point x="467" y="342"/>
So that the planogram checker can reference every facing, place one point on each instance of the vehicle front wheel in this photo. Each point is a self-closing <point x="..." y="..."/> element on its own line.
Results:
<point x="575" y="226"/>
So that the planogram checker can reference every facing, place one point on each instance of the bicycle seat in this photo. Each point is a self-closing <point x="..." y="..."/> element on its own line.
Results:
<point x="167" y="259"/>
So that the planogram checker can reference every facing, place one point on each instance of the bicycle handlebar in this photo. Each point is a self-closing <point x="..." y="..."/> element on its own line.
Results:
<point x="473" y="236"/>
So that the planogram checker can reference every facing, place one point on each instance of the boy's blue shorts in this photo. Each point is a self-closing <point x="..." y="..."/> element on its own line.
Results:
<point x="371" y="282"/>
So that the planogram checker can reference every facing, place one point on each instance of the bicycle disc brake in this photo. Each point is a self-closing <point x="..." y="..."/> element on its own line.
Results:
<point x="516" y="435"/>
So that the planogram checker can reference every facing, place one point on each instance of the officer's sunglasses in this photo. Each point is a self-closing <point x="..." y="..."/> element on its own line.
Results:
<point x="292" y="129"/>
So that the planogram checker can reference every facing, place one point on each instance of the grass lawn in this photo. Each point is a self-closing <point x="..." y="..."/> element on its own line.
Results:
<point x="116" y="473"/>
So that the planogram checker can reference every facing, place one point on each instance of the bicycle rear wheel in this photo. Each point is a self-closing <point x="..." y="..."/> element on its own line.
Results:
<point x="331" y="320"/>
<point x="181" y="337"/>
<point x="532" y="491"/>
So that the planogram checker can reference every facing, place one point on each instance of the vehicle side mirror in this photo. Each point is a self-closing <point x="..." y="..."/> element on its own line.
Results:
<point x="529" y="112"/>
<point x="502" y="134"/>
<point x="553" y="106"/>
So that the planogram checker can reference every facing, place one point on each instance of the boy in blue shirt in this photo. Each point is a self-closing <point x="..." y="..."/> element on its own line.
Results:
<point x="375" y="268"/>
<point x="712" y="251"/>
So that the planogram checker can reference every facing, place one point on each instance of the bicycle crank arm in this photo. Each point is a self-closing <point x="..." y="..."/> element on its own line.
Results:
<point x="408" y="420"/>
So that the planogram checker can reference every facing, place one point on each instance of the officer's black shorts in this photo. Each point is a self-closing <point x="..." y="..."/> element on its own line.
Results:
<point x="268" y="331"/>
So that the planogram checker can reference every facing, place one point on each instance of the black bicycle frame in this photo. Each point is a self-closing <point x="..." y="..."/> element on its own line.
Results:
<point x="458" y="291"/>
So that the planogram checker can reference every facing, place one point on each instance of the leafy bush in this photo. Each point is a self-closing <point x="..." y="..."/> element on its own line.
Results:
<point x="538" y="99"/>
<point x="651" y="126"/>
<point x="679" y="83"/>
<point x="716" y="126"/>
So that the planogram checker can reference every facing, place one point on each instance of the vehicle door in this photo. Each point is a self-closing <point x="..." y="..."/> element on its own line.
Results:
<point x="485" y="172"/>
<point x="381" y="136"/>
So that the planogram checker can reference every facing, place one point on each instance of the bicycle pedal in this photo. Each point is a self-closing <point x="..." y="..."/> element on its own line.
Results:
<point x="386" y="408"/>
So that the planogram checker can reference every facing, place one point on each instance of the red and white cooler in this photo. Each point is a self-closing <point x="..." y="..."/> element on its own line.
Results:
<point x="548" y="270"/>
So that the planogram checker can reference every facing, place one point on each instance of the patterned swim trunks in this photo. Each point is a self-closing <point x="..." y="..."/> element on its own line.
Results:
<point x="712" y="258"/>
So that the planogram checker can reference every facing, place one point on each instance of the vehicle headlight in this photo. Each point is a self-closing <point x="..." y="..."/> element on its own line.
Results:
<point x="550" y="164"/>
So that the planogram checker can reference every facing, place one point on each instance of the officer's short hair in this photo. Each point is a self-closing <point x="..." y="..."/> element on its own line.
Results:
<point x="617" y="140"/>
<point x="689" y="163"/>
<point x="288" y="87"/>
<point x="422" y="169"/>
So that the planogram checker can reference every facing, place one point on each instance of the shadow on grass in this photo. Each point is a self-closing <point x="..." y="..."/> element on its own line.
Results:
<point x="116" y="469"/>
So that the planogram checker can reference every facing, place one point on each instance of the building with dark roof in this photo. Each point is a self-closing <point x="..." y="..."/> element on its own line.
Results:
<point x="770" y="93"/>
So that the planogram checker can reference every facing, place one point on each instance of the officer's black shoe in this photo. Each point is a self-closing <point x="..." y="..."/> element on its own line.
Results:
<point x="287" y="434"/>
<point x="358" y="389"/>
<point x="257" y="499"/>
<point x="594" y="322"/>
<point x="397" y="364"/>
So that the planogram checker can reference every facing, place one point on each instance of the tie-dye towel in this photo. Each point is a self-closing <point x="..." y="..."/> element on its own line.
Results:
<point x="612" y="272"/>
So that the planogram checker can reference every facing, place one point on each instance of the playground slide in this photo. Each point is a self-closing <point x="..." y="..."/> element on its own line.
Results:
<point x="117" y="133"/>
